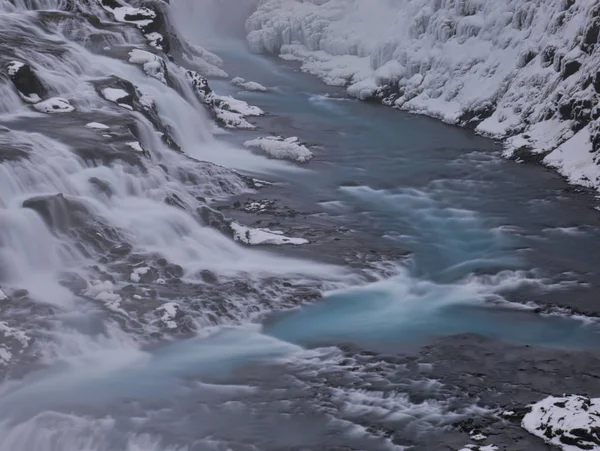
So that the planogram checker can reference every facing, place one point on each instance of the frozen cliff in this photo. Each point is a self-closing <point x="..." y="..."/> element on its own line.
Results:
<point x="527" y="71"/>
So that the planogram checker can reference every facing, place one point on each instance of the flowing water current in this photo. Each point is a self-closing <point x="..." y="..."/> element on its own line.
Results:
<point x="132" y="322"/>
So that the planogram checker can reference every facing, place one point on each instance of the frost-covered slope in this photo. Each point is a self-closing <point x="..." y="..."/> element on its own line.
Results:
<point x="524" y="70"/>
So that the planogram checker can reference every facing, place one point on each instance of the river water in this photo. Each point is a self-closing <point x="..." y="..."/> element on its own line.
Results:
<point x="428" y="251"/>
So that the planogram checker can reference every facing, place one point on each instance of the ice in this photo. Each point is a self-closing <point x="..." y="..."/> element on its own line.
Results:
<point x="510" y="69"/>
<point x="282" y="148"/>
<point x="54" y="105"/>
<point x="569" y="422"/>
<point x="248" y="85"/>
<point x="255" y="237"/>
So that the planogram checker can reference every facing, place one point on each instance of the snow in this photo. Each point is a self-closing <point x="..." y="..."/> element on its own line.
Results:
<point x="282" y="148"/>
<point x="574" y="160"/>
<point x="510" y="69"/>
<point x="135" y="145"/>
<point x="169" y="313"/>
<point x="97" y="126"/>
<point x="13" y="67"/>
<point x="103" y="291"/>
<point x="54" y="105"/>
<point x="255" y="237"/>
<point x="153" y="65"/>
<point x="154" y="40"/>
<point x="248" y="85"/>
<point x="568" y="422"/>
<point x="239" y="106"/>
<point x="122" y="13"/>
<point x="137" y="272"/>
<point x="3" y="296"/>
<point x="114" y="94"/>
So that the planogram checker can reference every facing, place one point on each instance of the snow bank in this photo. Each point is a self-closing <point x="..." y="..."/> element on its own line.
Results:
<point x="255" y="237"/>
<point x="571" y="422"/>
<point x="282" y="148"/>
<point x="508" y="69"/>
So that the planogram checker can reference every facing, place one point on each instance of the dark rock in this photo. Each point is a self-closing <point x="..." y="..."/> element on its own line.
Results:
<point x="27" y="82"/>
<point x="571" y="68"/>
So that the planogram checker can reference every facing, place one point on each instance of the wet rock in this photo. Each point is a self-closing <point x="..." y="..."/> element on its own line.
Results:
<point x="59" y="213"/>
<point x="208" y="277"/>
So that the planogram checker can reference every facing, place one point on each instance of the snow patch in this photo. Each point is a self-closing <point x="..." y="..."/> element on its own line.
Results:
<point x="114" y="94"/>
<point x="282" y="148"/>
<point x="97" y="126"/>
<point x="13" y="67"/>
<point x="135" y="145"/>
<point x="255" y="237"/>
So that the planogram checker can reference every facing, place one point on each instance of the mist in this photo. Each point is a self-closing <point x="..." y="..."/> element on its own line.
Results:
<point x="208" y="21"/>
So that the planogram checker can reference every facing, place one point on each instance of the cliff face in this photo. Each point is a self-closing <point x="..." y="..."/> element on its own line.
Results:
<point x="525" y="71"/>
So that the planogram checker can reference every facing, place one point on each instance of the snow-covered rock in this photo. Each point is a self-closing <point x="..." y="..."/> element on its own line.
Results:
<point x="153" y="65"/>
<point x="513" y="68"/>
<point x="54" y="105"/>
<point x="227" y="111"/>
<point x="282" y="148"/>
<point x="169" y="312"/>
<point x="248" y="85"/>
<point x="253" y="237"/>
<point x="570" y="422"/>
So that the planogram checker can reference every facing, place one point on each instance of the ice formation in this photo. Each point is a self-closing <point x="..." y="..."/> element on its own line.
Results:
<point x="527" y="72"/>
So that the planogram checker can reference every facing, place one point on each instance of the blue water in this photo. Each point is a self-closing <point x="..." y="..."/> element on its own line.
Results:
<point x="482" y="232"/>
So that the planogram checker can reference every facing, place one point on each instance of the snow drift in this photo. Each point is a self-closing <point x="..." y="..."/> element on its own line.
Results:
<point x="525" y="71"/>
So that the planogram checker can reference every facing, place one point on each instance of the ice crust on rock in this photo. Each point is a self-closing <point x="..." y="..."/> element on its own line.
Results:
<point x="282" y="148"/>
<point x="569" y="422"/>
<point x="513" y="68"/>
